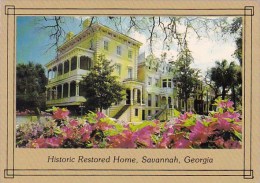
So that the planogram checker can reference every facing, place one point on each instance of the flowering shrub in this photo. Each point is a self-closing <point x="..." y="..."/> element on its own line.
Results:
<point x="221" y="129"/>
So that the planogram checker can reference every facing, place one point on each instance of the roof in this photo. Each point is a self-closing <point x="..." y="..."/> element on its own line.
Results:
<point x="95" y="27"/>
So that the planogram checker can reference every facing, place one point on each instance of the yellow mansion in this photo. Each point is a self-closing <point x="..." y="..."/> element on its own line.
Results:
<point x="148" y="80"/>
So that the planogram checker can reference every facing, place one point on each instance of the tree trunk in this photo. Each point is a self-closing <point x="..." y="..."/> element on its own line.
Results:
<point x="223" y="93"/>
<point x="234" y="97"/>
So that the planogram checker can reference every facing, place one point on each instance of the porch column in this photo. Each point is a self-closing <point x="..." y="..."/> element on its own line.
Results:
<point x="78" y="60"/>
<point x="61" y="91"/>
<point x="77" y="87"/>
<point x="135" y="97"/>
<point x="131" y="96"/>
<point x="62" y="68"/>
<point x="56" y="94"/>
<point x="69" y="89"/>
<point x="141" y="97"/>
<point x="69" y="65"/>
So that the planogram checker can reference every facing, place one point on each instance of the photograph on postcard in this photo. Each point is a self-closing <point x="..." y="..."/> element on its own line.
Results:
<point x="129" y="82"/>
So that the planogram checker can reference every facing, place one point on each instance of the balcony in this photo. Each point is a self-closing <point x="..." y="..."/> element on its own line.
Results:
<point x="166" y="91"/>
<point x="76" y="100"/>
<point x="76" y="72"/>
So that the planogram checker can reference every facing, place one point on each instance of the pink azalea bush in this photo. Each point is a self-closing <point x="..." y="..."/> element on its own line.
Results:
<point x="221" y="129"/>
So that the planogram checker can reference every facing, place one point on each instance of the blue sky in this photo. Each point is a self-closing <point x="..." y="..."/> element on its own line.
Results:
<point x="33" y="43"/>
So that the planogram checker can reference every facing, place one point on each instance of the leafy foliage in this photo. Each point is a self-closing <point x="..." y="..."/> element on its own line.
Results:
<point x="222" y="129"/>
<point x="30" y="87"/>
<point x="185" y="76"/>
<point x="224" y="77"/>
<point x="101" y="88"/>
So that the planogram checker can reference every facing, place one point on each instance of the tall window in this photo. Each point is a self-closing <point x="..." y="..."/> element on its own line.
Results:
<point x="156" y="100"/>
<point x="118" y="50"/>
<point x="73" y="63"/>
<point x="106" y="45"/>
<point x="164" y="83"/>
<point x="130" y="73"/>
<point x="149" y="80"/>
<point x="157" y="82"/>
<point x="130" y="54"/>
<point x="118" y="69"/>
<point x="169" y="83"/>
<point x="85" y="63"/>
<point x="91" y="44"/>
<point x="149" y="100"/>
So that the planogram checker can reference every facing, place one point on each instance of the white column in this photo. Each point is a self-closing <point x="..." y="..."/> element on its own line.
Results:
<point x="135" y="97"/>
<point x="77" y="88"/>
<point x="78" y="60"/>
<point x="69" y="89"/>
<point x="62" y="91"/>
<point x="62" y="68"/>
<point x="131" y="96"/>
<point x="141" y="97"/>
<point x="56" y="94"/>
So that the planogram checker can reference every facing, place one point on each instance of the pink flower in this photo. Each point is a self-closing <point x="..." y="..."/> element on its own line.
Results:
<point x="85" y="132"/>
<point x="38" y="143"/>
<point x="67" y="132"/>
<point x="100" y="115"/>
<point x="74" y="122"/>
<point x="219" y="142"/>
<point x="223" y="125"/>
<point x="53" y="142"/>
<point x="182" y="143"/>
<point x="164" y="143"/>
<point x="230" y="144"/>
<point x="200" y="133"/>
<point x="60" y="113"/>
<point x="123" y="140"/>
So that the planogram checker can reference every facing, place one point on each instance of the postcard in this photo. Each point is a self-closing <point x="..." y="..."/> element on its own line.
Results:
<point x="120" y="91"/>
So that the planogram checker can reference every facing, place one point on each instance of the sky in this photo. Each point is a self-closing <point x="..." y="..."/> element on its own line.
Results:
<point x="33" y="43"/>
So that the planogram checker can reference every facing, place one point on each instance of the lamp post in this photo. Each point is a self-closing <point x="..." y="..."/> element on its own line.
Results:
<point x="81" y="106"/>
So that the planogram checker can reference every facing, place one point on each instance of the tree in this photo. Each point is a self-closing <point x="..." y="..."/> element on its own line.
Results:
<point x="101" y="88"/>
<point x="171" y="30"/>
<point x="224" y="77"/>
<point x="236" y="29"/>
<point x="30" y="87"/>
<point x="186" y="77"/>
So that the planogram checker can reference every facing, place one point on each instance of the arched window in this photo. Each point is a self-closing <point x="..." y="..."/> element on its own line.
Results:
<point x="65" y="90"/>
<point x="81" y="89"/>
<point x="60" y="69"/>
<point x="66" y="66"/>
<point x="73" y="63"/>
<point x="54" y="73"/>
<point x="73" y="88"/>
<point x="85" y="63"/>
<point x="59" y="92"/>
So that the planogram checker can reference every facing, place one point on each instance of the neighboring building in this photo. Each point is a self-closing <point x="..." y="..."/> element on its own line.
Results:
<point x="76" y="57"/>
<point x="159" y="95"/>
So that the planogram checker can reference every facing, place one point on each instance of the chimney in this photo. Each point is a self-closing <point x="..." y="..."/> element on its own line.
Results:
<point x="69" y="36"/>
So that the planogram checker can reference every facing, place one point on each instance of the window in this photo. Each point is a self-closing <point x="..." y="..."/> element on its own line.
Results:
<point x="169" y="83"/>
<point x="136" y="112"/>
<point x="130" y="54"/>
<point x="91" y="44"/>
<point x="118" y="69"/>
<point x="157" y="82"/>
<point x="149" y="100"/>
<point x="149" y="112"/>
<point x="130" y="73"/>
<point x="149" y="80"/>
<point x="118" y="50"/>
<point x="165" y="83"/>
<point x="106" y="45"/>
<point x="156" y="100"/>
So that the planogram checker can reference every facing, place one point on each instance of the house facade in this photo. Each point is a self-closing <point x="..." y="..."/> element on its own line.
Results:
<point x="148" y="81"/>
<point x="159" y="92"/>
